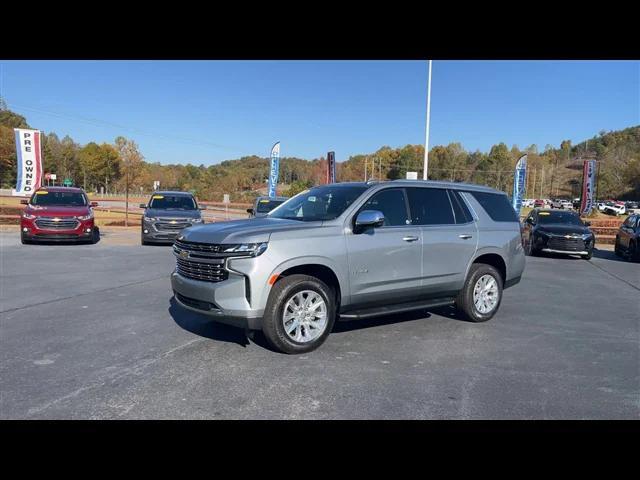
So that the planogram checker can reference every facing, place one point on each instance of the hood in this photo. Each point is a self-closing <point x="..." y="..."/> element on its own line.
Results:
<point x="56" y="211"/>
<point x="252" y="230"/>
<point x="165" y="213"/>
<point x="564" y="229"/>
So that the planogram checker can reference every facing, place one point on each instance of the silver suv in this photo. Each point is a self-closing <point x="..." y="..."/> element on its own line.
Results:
<point x="348" y="251"/>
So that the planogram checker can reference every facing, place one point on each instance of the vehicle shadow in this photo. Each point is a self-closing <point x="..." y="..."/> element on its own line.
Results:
<point x="204" y="326"/>
<point x="608" y="255"/>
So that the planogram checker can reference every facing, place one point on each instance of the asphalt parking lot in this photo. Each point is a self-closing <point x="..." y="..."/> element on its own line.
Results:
<point x="90" y="332"/>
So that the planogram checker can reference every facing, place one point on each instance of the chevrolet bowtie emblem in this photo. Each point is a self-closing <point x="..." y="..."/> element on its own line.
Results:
<point x="173" y="221"/>
<point x="56" y="219"/>
<point x="568" y="236"/>
<point x="183" y="254"/>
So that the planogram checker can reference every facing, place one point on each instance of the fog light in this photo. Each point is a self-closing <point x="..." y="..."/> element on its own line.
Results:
<point x="146" y="231"/>
<point x="25" y="229"/>
<point x="88" y="230"/>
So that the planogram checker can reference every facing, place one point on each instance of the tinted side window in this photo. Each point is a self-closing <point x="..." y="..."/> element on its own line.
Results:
<point x="430" y="206"/>
<point x="497" y="206"/>
<point x="392" y="204"/>
<point x="460" y="209"/>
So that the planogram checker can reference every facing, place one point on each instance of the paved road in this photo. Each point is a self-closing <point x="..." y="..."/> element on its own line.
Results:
<point x="90" y="332"/>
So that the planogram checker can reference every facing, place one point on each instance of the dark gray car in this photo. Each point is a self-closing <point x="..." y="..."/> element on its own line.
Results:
<point x="166" y="214"/>
<point x="263" y="205"/>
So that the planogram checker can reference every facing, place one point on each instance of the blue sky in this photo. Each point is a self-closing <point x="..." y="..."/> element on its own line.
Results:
<point x="209" y="111"/>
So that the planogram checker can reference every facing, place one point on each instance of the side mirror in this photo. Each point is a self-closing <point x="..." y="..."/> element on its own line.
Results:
<point x="250" y="211"/>
<point x="369" y="218"/>
<point x="24" y="202"/>
<point x="94" y="204"/>
<point x="529" y="221"/>
<point x="143" y="205"/>
<point x="202" y="207"/>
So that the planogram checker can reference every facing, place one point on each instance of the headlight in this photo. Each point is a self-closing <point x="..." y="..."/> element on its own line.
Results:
<point x="85" y="217"/>
<point x="587" y="236"/>
<point x="28" y="216"/>
<point x="149" y="219"/>
<point x="252" y="249"/>
<point x="196" y="220"/>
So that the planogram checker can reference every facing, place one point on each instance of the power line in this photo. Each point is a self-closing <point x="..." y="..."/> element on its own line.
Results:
<point x="102" y="123"/>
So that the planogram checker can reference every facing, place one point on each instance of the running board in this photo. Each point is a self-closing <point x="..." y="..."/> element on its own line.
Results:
<point x="396" y="308"/>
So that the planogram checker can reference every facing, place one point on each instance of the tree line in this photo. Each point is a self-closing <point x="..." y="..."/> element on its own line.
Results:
<point x="110" y="167"/>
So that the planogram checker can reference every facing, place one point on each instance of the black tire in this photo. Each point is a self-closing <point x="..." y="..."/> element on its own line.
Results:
<point x="464" y="300"/>
<point x="588" y="255"/>
<point x="24" y="241"/>
<point x="616" y="248"/>
<point x="142" y="240"/>
<point x="282" y="291"/>
<point x="531" y="250"/>
<point x="633" y="252"/>
<point x="95" y="236"/>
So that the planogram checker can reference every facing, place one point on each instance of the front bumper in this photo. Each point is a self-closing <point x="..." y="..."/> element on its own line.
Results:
<point x="226" y="302"/>
<point x="82" y="232"/>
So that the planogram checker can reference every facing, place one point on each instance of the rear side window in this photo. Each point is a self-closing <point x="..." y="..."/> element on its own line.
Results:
<point x="430" y="206"/>
<point x="460" y="209"/>
<point x="496" y="205"/>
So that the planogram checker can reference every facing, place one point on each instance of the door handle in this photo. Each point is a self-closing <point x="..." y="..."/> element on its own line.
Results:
<point x="410" y="239"/>
<point x="465" y="236"/>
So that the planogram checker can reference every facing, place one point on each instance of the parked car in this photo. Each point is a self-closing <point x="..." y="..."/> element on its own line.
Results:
<point x="555" y="231"/>
<point x="562" y="204"/>
<point x="352" y="250"/>
<point x="539" y="203"/>
<point x="263" y="205"/>
<point x="576" y="203"/>
<point x="628" y="238"/>
<point x="633" y="207"/>
<point x="617" y="208"/>
<point x="58" y="214"/>
<point x="166" y="214"/>
<point x="528" y="202"/>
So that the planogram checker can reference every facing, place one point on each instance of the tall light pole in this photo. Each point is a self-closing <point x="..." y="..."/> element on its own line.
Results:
<point x="426" y="141"/>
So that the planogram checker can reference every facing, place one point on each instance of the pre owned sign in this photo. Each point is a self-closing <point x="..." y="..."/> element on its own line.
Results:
<point x="29" y="161"/>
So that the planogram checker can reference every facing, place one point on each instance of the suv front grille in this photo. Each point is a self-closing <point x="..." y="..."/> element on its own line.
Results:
<point x="171" y="226"/>
<point x="56" y="223"/>
<point x="566" y="244"/>
<point x="198" y="247"/>
<point x="206" y="272"/>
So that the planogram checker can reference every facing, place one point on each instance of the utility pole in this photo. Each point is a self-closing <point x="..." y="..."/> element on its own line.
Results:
<point x="426" y="141"/>
<point x="542" y="183"/>
<point x="365" y="169"/>
<point x="534" y="182"/>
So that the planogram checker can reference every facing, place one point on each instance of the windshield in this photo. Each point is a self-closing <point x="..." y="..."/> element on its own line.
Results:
<point x="319" y="203"/>
<point x="62" y="199"/>
<point x="173" y="202"/>
<point x="266" y="205"/>
<point x="559" y="217"/>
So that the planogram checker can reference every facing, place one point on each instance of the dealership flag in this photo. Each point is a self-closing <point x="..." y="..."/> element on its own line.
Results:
<point x="588" y="184"/>
<point x="29" y="161"/>
<point x="275" y="165"/>
<point x="331" y="167"/>
<point x="519" y="183"/>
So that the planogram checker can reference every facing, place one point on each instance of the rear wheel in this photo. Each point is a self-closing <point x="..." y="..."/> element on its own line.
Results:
<point x="531" y="250"/>
<point x="480" y="297"/>
<point x="299" y="315"/>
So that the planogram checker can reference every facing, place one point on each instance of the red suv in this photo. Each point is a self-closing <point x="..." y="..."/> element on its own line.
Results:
<point x="58" y="214"/>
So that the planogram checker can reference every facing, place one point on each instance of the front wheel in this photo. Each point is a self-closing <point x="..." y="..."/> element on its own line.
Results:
<point x="531" y="250"/>
<point x="480" y="297"/>
<point x="588" y="255"/>
<point x="299" y="315"/>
